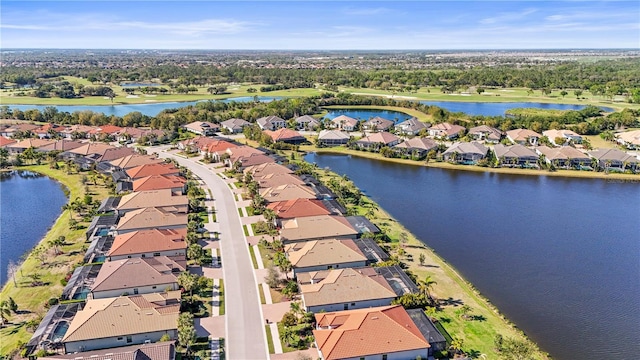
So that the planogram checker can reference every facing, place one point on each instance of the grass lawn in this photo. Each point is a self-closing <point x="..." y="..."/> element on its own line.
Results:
<point x="221" y="296"/>
<point x="246" y="230"/>
<point x="266" y="255"/>
<point x="205" y="217"/>
<point x="30" y="299"/>
<point x="263" y="299"/>
<point x="254" y="261"/>
<point x="267" y="330"/>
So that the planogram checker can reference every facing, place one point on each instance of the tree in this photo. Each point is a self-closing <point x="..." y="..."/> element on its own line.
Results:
<point x="12" y="270"/>
<point x="273" y="277"/>
<point x="290" y="289"/>
<point x="195" y="252"/>
<point x="56" y="243"/>
<point x="288" y="335"/>
<point x="12" y="305"/>
<point x="421" y="259"/>
<point x="426" y="285"/>
<point x="577" y="93"/>
<point x="186" y="330"/>
<point x="5" y="312"/>
<point x="188" y="281"/>
<point x="456" y="345"/>
<point x="404" y="239"/>
<point x="464" y="311"/>
<point x="563" y="93"/>
<point x="40" y="253"/>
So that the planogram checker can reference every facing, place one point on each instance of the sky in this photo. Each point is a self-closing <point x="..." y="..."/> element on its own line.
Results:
<point x="319" y="25"/>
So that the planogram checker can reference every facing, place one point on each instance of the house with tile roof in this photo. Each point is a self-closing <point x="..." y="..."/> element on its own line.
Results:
<point x="345" y="123"/>
<point x="286" y="136"/>
<point x="387" y="332"/>
<point x="299" y="207"/>
<point x="416" y="147"/>
<point x="149" y="218"/>
<point x="465" y="152"/>
<point x="378" y="124"/>
<point x="307" y="122"/>
<point x="629" y="139"/>
<point x="110" y="130"/>
<point x="344" y="289"/>
<point x="4" y="141"/>
<point x="49" y="130"/>
<point x="217" y="148"/>
<point x="149" y="243"/>
<point x="267" y="169"/>
<point x="316" y="228"/>
<point x="325" y="254"/>
<point x="411" y="126"/>
<point x="136" y="276"/>
<point x="565" y="156"/>
<point x="486" y="133"/>
<point x="515" y="155"/>
<point x="152" y="169"/>
<point x="133" y="160"/>
<point x="77" y="131"/>
<point x="88" y="149"/>
<point x="523" y="136"/>
<point x="164" y="199"/>
<point x="165" y="350"/>
<point x="614" y="159"/>
<point x="22" y="145"/>
<point x="377" y="140"/>
<point x="235" y="126"/>
<point x="288" y="192"/>
<point x="125" y="320"/>
<point x="564" y="136"/>
<point x="273" y="180"/>
<point x="446" y="130"/>
<point x="61" y="146"/>
<point x="333" y="137"/>
<point x="115" y="153"/>
<point x="12" y="130"/>
<point x="271" y="123"/>
<point x="177" y="184"/>
<point x="195" y="144"/>
<point x="203" y="128"/>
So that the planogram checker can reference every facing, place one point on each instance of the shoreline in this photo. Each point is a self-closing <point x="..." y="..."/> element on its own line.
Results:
<point x="508" y="171"/>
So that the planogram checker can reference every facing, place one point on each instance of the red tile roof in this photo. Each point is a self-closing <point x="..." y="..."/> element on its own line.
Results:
<point x="152" y="169"/>
<point x="298" y="208"/>
<point x="6" y="141"/>
<point x="157" y="182"/>
<point x="284" y="134"/>
<point x="217" y="146"/>
<point x="146" y="241"/>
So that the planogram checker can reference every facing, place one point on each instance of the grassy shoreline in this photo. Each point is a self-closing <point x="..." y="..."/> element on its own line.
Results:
<point x="445" y="165"/>
<point x="31" y="300"/>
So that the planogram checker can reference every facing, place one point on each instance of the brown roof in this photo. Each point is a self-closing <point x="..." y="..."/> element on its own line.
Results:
<point x="152" y="169"/>
<point x="266" y="169"/>
<point x="163" y="198"/>
<point x="300" y="207"/>
<point x="217" y="146"/>
<point x="365" y="332"/>
<point x="564" y="153"/>
<point x="255" y="159"/>
<point x="155" y="351"/>
<point x="147" y="218"/>
<point x="449" y="129"/>
<point x="522" y="134"/>
<point x="6" y="141"/>
<point x="116" y="153"/>
<point x="271" y="180"/>
<point x="316" y="227"/>
<point x="323" y="252"/>
<point x="344" y="119"/>
<point x="30" y="143"/>
<point x="284" y="134"/>
<point x="134" y="160"/>
<point x="287" y="192"/>
<point x="22" y="127"/>
<point x="62" y="145"/>
<point x="91" y="148"/>
<point x="157" y="182"/>
<point x="125" y="315"/>
<point x="380" y="137"/>
<point x="130" y="273"/>
<point x="145" y="241"/>
<point x="106" y="129"/>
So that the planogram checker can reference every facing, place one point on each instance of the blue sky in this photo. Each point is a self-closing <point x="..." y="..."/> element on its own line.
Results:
<point x="323" y="25"/>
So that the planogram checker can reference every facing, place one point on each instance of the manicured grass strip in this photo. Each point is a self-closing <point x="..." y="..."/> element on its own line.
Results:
<point x="210" y="193"/>
<point x="205" y="217"/>
<point x="272" y="349"/>
<point x="221" y="296"/>
<point x="229" y="185"/>
<point x="253" y="257"/>
<point x="263" y="299"/>
<point x="240" y="212"/>
<point x="246" y="231"/>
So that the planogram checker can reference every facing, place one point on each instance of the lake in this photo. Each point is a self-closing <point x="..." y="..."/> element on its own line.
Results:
<point x="396" y="116"/>
<point x="560" y="257"/>
<point x="30" y="203"/>
<point x="500" y="108"/>
<point x="149" y="109"/>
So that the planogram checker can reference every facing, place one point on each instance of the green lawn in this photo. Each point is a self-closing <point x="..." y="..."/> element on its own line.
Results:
<point x="263" y="299"/>
<point x="253" y="257"/>
<point x="221" y="296"/>
<point x="272" y="349"/>
<point x="246" y="230"/>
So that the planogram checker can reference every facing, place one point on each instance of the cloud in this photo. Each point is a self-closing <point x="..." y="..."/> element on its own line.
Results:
<point x="508" y="17"/>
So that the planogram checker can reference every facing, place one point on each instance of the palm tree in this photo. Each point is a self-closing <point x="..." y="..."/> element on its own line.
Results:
<point x="288" y="335"/>
<point x="187" y="281"/>
<point x="5" y="312"/>
<point x="426" y="285"/>
<point x="56" y="243"/>
<point x="296" y="308"/>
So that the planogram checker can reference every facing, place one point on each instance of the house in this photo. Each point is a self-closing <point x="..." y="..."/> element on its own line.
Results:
<point x="195" y="144"/>
<point x="411" y="126"/>
<point x="523" y="137"/>
<point x="344" y="289"/>
<point x="629" y="139"/>
<point x="376" y="141"/>
<point x="94" y="150"/>
<point x="273" y="180"/>
<point x="261" y="170"/>
<point x="131" y="134"/>
<point x="22" y="145"/>
<point x="271" y="123"/>
<point x="131" y="161"/>
<point x="565" y="156"/>
<point x="150" y="218"/>
<point x="125" y="320"/>
<point x="164" y="199"/>
<point x="333" y="138"/>
<point x="446" y="130"/>
<point x="4" y="141"/>
<point x="105" y="130"/>
<point x="136" y="276"/>
<point x="515" y="155"/>
<point x="61" y="146"/>
<point x="299" y="207"/>
<point x="286" y="136"/>
<point x="235" y="126"/>
<point x="306" y="122"/>
<point x="378" y="124"/>
<point x="76" y="131"/>
<point x="113" y="154"/>
<point x="288" y="192"/>
<point x="203" y="128"/>
<point x="562" y="137"/>
<point x="150" y="243"/>
<point x="486" y="133"/>
<point x="177" y="184"/>
<point x="165" y="350"/>
<point x="386" y="332"/>
<point x="614" y="159"/>
<point x="465" y="152"/>
<point x="216" y="149"/>
<point x="245" y="156"/>
<point x="145" y="170"/>
<point x="416" y="147"/>
<point x="23" y="128"/>
<point x="326" y="254"/>
<point x="344" y="123"/>
<point x="48" y="130"/>
<point x="316" y="228"/>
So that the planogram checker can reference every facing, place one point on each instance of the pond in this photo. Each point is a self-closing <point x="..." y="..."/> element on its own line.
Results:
<point x="500" y="108"/>
<point x="395" y="116"/>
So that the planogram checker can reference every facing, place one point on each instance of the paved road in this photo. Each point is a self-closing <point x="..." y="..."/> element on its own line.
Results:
<point x="244" y="326"/>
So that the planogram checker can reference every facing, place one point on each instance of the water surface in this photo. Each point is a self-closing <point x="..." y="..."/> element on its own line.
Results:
<point x="559" y="256"/>
<point x="500" y="108"/>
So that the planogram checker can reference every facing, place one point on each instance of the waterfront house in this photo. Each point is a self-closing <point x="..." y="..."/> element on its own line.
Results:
<point x="77" y="131"/>
<point x="102" y="131"/>
<point x="235" y="126"/>
<point x="132" y="134"/>
<point x="416" y="147"/>
<point x="261" y="170"/>
<point x="273" y="180"/>
<point x="333" y="138"/>
<point x="150" y="218"/>
<point x="345" y="123"/>
<point x="165" y="350"/>
<point x="146" y="170"/>
<point x="286" y="136"/>
<point x="465" y="152"/>
<point x="325" y="254"/>
<point x="378" y="124"/>
<point x="136" y="276"/>
<point x="203" y="128"/>
<point x="614" y="159"/>
<point x="93" y="150"/>
<point x="565" y="156"/>
<point x="299" y="207"/>
<point x="164" y="199"/>
<point x="387" y="332"/>
<point x="22" y="128"/>
<point x="523" y="137"/>
<point x="562" y="137"/>
<point x="629" y="139"/>
<point x="486" y="133"/>
<point x="271" y="123"/>
<point x="376" y="141"/>
<point x="344" y="289"/>
<point x="150" y="243"/>
<point x="177" y="184"/>
<point x="4" y="141"/>
<point x="124" y="320"/>
<point x="21" y="146"/>
<point x="515" y="155"/>
<point x="411" y="126"/>
<point x="446" y="131"/>
<point x="47" y="131"/>
<point x="316" y="228"/>
<point x="113" y="154"/>
<point x="288" y="192"/>
<point x="306" y="122"/>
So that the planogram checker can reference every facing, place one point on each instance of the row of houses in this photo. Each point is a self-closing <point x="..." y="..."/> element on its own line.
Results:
<point x="331" y="262"/>
<point x="73" y="132"/>
<point x="126" y="298"/>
